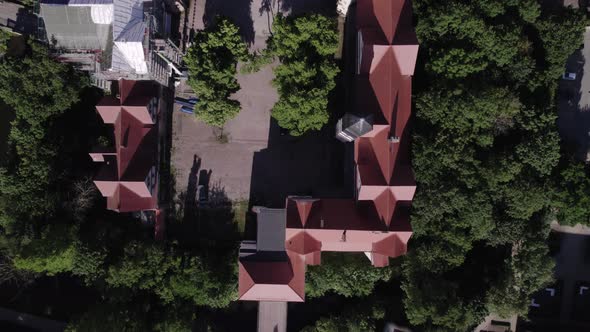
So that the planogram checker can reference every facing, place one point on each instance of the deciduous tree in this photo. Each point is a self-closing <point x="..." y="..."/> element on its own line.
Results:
<point x="211" y="63"/>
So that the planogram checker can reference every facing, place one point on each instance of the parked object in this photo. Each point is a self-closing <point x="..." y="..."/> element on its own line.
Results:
<point x="190" y="103"/>
<point x="187" y="110"/>
<point x="569" y="76"/>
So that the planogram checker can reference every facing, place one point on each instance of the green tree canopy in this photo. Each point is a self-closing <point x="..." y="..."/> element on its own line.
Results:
<point x="306" y="76"/>
<point x="485" y="151"/>
<point x="344" y="274"/>
<point x="362" y="318"/>
<point x="211" y="63"/>
<point x="39" y="89"/>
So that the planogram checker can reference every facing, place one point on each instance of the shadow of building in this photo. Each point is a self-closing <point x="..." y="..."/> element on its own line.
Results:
<point x="238" y="11"/>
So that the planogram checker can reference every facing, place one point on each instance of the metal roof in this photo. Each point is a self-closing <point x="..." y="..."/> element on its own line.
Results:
<point x="271" y="229"/>
<point x="76" y="2"/>
<point x="128" y="20"/>
<point x="72" y="27"/>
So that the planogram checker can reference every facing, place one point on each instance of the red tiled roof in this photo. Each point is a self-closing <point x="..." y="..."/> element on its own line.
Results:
<point x="272" y="280"/>
<point x="381" y="16"/>
<point x="366" y="214"/>
<point x="375" y="156"/>
<point x="386" y="21"/>
<point x="376" y="221"/>
<point x="303" y="244"/>
<point x="122" y="176"/>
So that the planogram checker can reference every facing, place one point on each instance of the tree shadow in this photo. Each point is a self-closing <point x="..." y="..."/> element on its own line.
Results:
<point x="190" y="194"/>
<point x="206" y="222"/>
<point x="314" y="164"/>
<point x="310" y="165"/>
<point x="270" y="8"/>
<point x="238" y="11"/>
<point x="25" y="22"/>
<point x="574" y="113"/>
<point x="216" y="219"/>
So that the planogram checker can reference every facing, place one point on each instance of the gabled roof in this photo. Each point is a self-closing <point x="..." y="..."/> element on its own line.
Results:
<point x="384" y="84"/>
<point x="375" y="156"/>
<point x="303" y="243"/>
<point x="125" y="169"/>
<point x="126" y="199"/>
<point x="386" y="199"/>
<point x="129" y="31"/>
<point x="380" y="74"/>
<point x="383" y="16"/>
<point x="394" y="245"/>
<point x="136" y="146"/>
<point x="272" y="280"/>
<point x="386" y="21"/>
<point x="301" y="210"/>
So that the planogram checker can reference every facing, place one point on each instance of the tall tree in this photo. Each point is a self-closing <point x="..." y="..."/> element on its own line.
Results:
<point x="211" y="63"/>
<point x="39" y="89"/>
<point x="484" y="152"/>
<point x="306" y="76"/>
<point x="349" y="275"/>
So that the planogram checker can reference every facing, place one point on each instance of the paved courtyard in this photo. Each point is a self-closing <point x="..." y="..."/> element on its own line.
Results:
<point x="254" y="17"/>
<point x="232" y="164"/>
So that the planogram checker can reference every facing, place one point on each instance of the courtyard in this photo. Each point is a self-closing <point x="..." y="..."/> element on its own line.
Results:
<point x="251" y="159"/>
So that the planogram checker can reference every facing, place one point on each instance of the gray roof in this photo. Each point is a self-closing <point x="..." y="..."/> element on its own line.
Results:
<point x="118" y="61"/>
<point x="271" y="229"/>
<point x="72" y="27"/>
<point x="76" y="2"/>
<point x="128" y="21"/>
<point x="128" y="26"/>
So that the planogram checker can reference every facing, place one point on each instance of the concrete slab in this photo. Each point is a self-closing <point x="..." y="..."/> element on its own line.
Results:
<point x="272" y="316"/>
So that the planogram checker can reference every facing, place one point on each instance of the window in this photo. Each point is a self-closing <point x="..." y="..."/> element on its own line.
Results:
<point x="152" y="179"/>
<point x="153" y="109"/>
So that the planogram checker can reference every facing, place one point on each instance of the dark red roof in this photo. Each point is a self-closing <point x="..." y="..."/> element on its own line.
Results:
<point x="272" y="280"/>
<point x="386" y="21"/>
<point x="376" y="220"/>
<point x="124" y="171"/>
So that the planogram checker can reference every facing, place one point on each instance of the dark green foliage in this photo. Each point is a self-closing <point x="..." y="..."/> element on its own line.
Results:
<point x="5" y="36"/>
<point x="525" y="272"/>
<point x="211" y="63"/>
<point x="559" y="39"/>
<point x="572" y="194"/>
<point x="111" y="316"/>
<point x="305" y="46"/>
<point x="344" y="274"/>
<point x="485" y="150"/>
<point x="39" y="89"/>
<point x="172" y="275"/>
<point x="361" y="318"/>
<point x="51" y="253"/>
